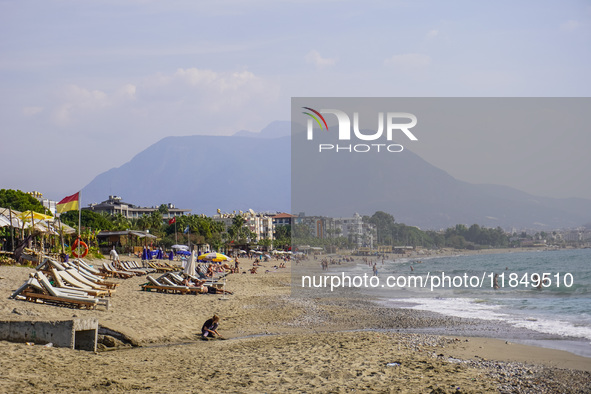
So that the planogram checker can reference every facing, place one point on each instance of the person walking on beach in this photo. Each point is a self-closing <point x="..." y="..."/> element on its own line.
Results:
<point x="114" y="256"/>
<point x="209" y="329"/>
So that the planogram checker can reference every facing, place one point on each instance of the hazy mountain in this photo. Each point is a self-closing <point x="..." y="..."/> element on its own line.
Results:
<point x="253" y="170"/>
<point x="273" y="130"/>
<point x="203" y="173"/>
<point x="419" y="194"/>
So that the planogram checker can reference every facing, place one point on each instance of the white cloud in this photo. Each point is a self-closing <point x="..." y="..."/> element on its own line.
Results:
<point x="222" y="82"/>
<point x="570" y="25"/>
<point x="313" y="57"/>
<point x="196" y="77"/>
<point x="127" y="92"/>
<point x="77" y="101"/>
<point x="432" y="33"/>
<point x="30" y="111"/>
<point x="409" y="61"/>
<point x="186" y="101"/>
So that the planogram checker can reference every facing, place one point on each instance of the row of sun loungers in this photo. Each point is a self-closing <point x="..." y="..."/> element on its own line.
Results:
<point x="162" y="266"/>
<point x="39" y="288"/>
<point x="133" y="266"/>
<point x="173" y="283"/>
<point x="73" y="284"/>
<point x="83" y="273"/>
<point x="128" y="269"/>
<point x="167" y="286"/>
<point x="110" y="270"/>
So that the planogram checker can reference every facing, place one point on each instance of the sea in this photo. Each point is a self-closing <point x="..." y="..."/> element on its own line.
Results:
<point x="556" y="314"/>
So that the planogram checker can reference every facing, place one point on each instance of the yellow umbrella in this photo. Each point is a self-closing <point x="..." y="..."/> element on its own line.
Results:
<point x="28" y="219"/>
<point x="27" y="215"/>
<point x="213" y="256"/>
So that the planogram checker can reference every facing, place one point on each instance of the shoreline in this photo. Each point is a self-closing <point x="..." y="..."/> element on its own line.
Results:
<point x="277" y="343"/>
<point x="490" y="328"/>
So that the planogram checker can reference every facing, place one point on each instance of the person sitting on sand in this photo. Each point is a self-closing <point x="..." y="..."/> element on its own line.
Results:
<point x="209" y="329"/>
<point x="253" y="270"/>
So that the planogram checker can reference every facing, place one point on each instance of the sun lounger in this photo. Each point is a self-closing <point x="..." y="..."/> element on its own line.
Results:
<point x="154" y="284"/>
<point x="65" y="279"/>
<point x="107" y="267"/>
<point x="175" y="277"/>
<point x="48" y="263"/>
<point x="87" y="266"/>
<point x="24" y="286"/>
<point x="90" y="276"/>
<point x="39" y="288"/>
<point x="169" y="282"/>
<point x="79" y="277"/>
<point x="160" y="268"/>
<point x="134" y="267"/>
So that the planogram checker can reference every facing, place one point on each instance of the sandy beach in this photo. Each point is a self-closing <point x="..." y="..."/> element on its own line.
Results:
<point x="275" y="343"/>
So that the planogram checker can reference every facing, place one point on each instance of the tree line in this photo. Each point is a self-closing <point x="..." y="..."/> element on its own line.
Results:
<point x="387" y="232"/>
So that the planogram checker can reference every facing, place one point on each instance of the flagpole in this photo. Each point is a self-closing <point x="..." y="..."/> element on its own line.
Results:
<point x="61" y="233"/>
<point x="79" y="220"/>
<point x="11" y="229"/>
<point x="176" y="241"/>
<point x="32" y="228"/>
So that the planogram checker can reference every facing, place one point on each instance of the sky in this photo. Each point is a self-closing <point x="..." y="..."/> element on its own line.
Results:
<point x="86" y="85"/>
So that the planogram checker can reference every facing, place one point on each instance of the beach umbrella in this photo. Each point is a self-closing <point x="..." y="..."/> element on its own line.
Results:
<point x="213" y="256"/>
<point x="5" y="216"/>
<point x="190" y="266"/>
<point x="144" y="254"/>
<point x="180" y="247"/>
<point x="26" y="216"/>
<point x="170" y="255"/>
<point x="4" y="222"/>
<point x="46" y="228"/>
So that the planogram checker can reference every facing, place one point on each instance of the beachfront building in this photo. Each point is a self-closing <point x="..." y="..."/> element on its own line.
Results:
<point x="316" y="226"/>
<point x="259" y="223"/>
<point x="282" y="219"/>
<point x="47" y="203"/>
<point x="353" y="228"/>
<point x="114" y="205"/>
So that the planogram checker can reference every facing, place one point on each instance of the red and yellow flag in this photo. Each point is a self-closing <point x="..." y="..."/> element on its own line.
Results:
<point x="70" y="203"/>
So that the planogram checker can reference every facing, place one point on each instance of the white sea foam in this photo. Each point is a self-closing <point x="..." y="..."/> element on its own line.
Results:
<point x="475" y="309"/>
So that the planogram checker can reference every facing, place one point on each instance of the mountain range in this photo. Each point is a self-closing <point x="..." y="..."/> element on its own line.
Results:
<point x="254" y="171"/>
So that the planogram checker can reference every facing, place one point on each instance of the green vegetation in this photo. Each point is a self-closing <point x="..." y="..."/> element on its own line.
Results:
<point x="88" y="219"/>
<point x="460" y="237"/>
<point x="388" y="232"/>
<point x="282" y="237"/>
<point x="20" y="201"/>
<point x="204" y="230"/>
